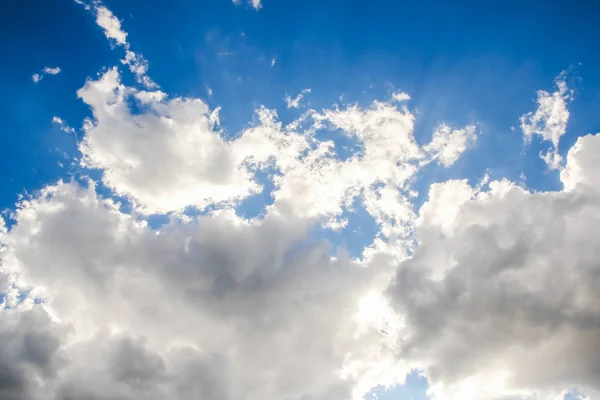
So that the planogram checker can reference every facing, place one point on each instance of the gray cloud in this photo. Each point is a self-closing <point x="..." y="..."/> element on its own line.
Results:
<point x="215" y="307"/>
<point x="504" y="292"/>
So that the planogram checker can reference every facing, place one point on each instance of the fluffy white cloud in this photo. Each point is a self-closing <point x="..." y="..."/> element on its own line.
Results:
<point x="46" y="71"/>
<point x="168" y="154"/>
<point x="487" y="285"/>
<point x="549" y="119"/>
<point x="500" y="296"/>
<point x="199" y="307"/>
<point x="215" y="307"/>
<point x="584" y="157"/>
<point x="111" y="25"/>
<point x="165" y="157"/>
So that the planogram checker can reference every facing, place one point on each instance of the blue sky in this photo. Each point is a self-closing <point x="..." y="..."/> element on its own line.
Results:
<point x="460" y="61"/>
<point x="463" y="63"/>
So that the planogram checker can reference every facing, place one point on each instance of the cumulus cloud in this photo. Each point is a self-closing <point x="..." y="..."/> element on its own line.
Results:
<point x="550" y="119"/>
<point x="169" y="154"/>
<point x="29" y="353"/>
<point x="500" y="295"/>
<point x="477" y="289"/>
<point x="584" y="157"/>
<point x="166" y="157"/>
<point x="197" y="308"/>
<point x="46" y="71"/>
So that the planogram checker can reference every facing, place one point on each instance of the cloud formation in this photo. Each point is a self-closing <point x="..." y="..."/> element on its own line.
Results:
<point x="295" y="101"/>
<point x="500" y="294"/>
<point x="197" y="308"/>
<point x="46" y="71"/>
<point x="448" y="144"/>
<point x="489" y="290"/>
<point x="112" y="29"/>
<point x="550" y="119"/>
<point x="169" y="154"/>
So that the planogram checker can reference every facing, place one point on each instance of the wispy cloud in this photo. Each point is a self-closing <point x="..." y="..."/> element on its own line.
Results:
<point x="549" y="120"/>
<point x="256" y="4"/>
<point x="112" y="29"/>
<point x="295" y="102"/>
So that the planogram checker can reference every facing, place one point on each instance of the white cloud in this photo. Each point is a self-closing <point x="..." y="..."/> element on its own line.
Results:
<point x="583" y="158"/>
<point x="63" y="126"/>
<point x="320" y="185"/>
<point x="256" y="4"/>
<point x="501" y="280"/>
<point x="400" y="96"/>
<point x="549" y="119"/>
<point x="448" y="144"/>
<point x="51" y="71"/>
<point x="153" y="156"/>
<point x="295" y="102"/>
<point x="45" y="71"/>
<point x="165" y="158"/>
<point x="111" y="26"/>
<point x="504" y="281"/>
<point x="198" y="309"/>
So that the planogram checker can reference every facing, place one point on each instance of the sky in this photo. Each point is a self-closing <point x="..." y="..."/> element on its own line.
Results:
<point x="299" y="200"/>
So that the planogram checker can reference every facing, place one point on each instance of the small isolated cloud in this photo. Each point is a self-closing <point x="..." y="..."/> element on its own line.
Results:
<point x="63" y="126"/>
<point x="400" y="96"/>
<point x="549" y="120"/>
<point x="295" y="102"/>
<point x="256" y="4"/>
<point x="45" y="71"/>
<point x="51" y="71"/>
